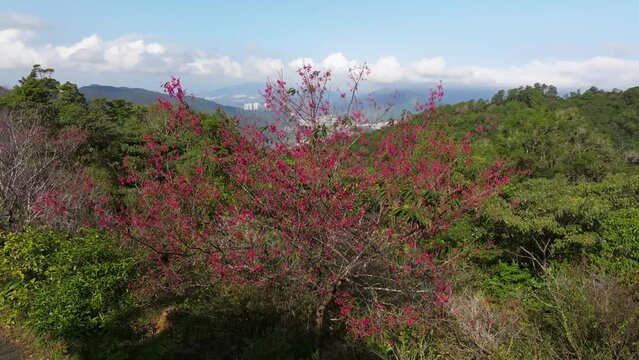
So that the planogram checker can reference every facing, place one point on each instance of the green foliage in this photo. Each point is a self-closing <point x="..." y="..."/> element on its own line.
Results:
<point x="620" y="246"/>
<point x="551" y="219"/>
<point x="24" y="263"/>
<point x="73" y="288"/>
<point x="71" y="105"/>
<point x="405" y="343"/>
<point x="554" y="142"/>
<point x="582" y="137"/>
<point x="509" y="280"/>
<point x="614" y="113"/>
<point x="114" y="129"/>
<point x="36" y="92"/>
<point x="576" y="213"/>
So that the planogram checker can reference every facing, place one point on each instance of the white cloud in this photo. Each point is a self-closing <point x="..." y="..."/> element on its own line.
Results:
<point x="214" y="66"/>
<point x="265" y="66"/>
<point x="387" y="69"/>
<point x="430" y="66"/>
<point x="89" y="43"/>
<point x="124" y="55"/>
<point x="155" y="49"/>
<point x="133" y="54"/>
<point x="301" y="61"/>
<point x="337" y="62"/>
<point x="15" y="52"/>
<point x="601" y="71"/>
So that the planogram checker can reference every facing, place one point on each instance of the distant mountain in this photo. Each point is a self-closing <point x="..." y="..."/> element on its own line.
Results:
<point x="144" y="97"/>
<point x="405" y="99"/>
<point x="236" y="95"/>
<point x="3" y="91"/>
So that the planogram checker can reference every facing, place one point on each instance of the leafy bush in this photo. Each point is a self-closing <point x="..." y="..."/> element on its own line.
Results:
<point x="552" y="219"/>
<point x="620" y="245"/>
<point x="509" y="280"/>
<point x="63" y="286"/>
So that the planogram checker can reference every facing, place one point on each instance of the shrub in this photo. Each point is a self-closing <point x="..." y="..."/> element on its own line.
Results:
<point x="586" y="315"/>
<point x="509" y="280"/>
<point x="68" y="287"/>
<point x="620" y="245"/>
<point x="545" y="220"/>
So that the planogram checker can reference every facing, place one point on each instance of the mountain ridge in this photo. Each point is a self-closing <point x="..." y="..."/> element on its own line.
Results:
<point x="140" y="96"/>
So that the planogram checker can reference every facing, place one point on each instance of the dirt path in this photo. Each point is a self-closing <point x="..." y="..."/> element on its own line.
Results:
<point x="8" y="350"/>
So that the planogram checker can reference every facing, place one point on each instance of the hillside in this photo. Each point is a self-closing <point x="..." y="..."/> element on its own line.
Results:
<point x="403" y="98"/>
<point x="514" y="219"/>
<point x="139" y="96"/>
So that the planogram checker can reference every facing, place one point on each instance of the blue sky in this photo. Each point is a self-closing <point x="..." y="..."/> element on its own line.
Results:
<point x="211" y="44"/>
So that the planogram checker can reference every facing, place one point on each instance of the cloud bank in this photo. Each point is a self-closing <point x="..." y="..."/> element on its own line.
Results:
<point x="134" y="54"/>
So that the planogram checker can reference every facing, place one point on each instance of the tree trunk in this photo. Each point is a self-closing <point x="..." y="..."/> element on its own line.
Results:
<point x="320" y="324"/>
<point x="320" y="313"/>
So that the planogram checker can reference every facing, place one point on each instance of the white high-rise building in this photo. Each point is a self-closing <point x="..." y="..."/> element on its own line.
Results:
<point x="251" y="106"/>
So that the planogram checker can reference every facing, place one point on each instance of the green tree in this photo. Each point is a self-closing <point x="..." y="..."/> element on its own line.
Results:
<point x="498" y="98"/>
<point x="36" y="92"/>
<point x="71" y="105"/>
<point x="545" y="220"/>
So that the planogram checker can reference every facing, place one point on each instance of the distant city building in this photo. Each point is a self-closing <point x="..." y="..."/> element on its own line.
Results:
<point x="251" y="106"/>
